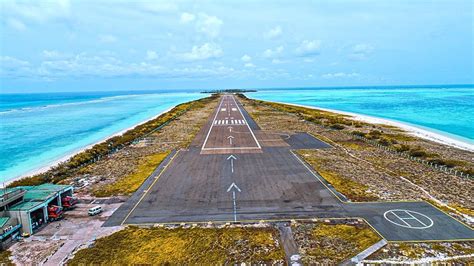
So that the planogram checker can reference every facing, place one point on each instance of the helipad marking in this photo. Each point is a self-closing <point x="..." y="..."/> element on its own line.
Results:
<point x="401" y="219"/>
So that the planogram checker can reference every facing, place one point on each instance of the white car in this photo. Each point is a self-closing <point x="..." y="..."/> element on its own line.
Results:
<point x="94" y="210"/>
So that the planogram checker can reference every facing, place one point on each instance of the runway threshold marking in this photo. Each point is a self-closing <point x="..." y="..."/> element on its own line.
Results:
<point x="224" y="122"/>
<point x="234" y="188"/>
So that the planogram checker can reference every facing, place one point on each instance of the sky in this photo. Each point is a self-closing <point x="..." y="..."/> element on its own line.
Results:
<point x="92" y="45"/>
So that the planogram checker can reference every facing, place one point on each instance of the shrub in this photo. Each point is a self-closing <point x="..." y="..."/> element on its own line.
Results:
<point x="447" y="163"/>
<point x="402" y="147"/>
<point x="384" y="141"/>
<point x="358" y="133"/>
<point x="337" y="126"/>
<point x="374" y="134"/>
<point x="418" y="152"/>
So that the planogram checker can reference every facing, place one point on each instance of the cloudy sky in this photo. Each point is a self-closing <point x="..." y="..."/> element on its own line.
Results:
<point x="119" y="45"/>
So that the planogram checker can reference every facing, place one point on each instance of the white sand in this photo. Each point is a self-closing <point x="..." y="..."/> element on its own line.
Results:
<point x="66" y="157"/>
<point x="410" y="129"/>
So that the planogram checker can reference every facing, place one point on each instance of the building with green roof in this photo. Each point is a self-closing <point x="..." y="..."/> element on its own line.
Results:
<point x="28" y="205"/>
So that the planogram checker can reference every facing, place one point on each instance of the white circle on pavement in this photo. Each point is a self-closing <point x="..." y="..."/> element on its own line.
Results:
<point x="401" y="218"/>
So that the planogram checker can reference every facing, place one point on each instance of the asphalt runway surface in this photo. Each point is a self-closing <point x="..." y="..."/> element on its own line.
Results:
<point x="235" y="172"/>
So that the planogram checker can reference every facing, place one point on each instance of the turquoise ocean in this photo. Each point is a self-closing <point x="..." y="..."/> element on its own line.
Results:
<point x="38" y="129"/>
<point x="447" y="110"/>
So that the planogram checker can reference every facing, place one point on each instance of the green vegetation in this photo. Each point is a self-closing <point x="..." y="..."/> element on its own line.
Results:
<point x="5" y="258"/>
<point x="337" y="126"/>
<point x="351" y="189"/>
<point x="332" y="243"/>
<point x="206" y="246"/>
<point x="129" y="184"/>
<point x="68" y="168"/>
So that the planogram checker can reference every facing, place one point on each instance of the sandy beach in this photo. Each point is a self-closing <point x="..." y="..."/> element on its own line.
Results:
<point x="410" y="129"/>
<point x="66" y="157"/>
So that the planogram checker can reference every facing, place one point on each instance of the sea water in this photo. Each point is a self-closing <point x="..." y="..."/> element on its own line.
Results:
<point x="448" y="110"/>
<point x="38" y="129"/>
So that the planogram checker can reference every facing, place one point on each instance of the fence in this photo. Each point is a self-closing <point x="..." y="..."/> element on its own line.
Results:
<point x="441" y="168"/>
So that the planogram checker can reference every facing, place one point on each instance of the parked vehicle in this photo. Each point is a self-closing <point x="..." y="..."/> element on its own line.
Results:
<point x="69" y="202"/>
<point x="94" y="210"/>
<point x="55" y="212"/>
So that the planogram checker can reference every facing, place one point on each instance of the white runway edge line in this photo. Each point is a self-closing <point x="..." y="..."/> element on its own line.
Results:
<point x="212" y="124"/>
<point x="214" y="121"/>
<point x="246" y="123"/>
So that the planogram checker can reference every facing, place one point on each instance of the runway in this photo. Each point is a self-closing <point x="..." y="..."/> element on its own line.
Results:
<point x="235" y="172"/>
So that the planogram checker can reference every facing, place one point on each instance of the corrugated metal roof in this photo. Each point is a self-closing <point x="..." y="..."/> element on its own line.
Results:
<point x="3" y="221"/>
<point x="43" y="192"/>
<point x="4" y="191"/>
<point x="26" y="206"/>
<point x="37" y="195"/>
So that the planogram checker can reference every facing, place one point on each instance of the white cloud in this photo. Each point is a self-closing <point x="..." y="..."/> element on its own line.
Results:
<point x="104" y="65"/>
<point x="209" y="25"/>
<point x="52" y="54"/>
<point x="13" y="67"/>
<point x="309" y="48"/>
<point x="8" y="61"/>
<point x="272" y="53"/>
<point x="340" y="75"/>
<point x="250" y="65"/>
<point x="157" y="6"/>
<point x="107" y="38"/>
<point x="273" y="33"/>
<point x="186" y="17"/>
<point x="203" y="23"/>
<point x="38" y="11"/>
<point x="16" y="24"/>
<point x="151" y="55"/>
<point x="246" y="58"/>
<point x="361" y="51"/>
<point x="203" y="52"/>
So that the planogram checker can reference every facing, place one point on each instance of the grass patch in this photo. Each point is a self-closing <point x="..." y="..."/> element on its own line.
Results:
<point x="184" y="246"/>
<point x="355" y="145"/>
<point x="351" y="189"/>
<point x="332" y="243"/>
<point x="5" y="257"/>
<point x="129" y="184"/>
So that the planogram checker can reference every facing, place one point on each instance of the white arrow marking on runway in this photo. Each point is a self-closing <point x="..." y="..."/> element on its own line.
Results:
<point x="230" y="139"/>
<point x="230" y="128"/>
<point x="232" y="158"/>
<point x="234" y="188"/>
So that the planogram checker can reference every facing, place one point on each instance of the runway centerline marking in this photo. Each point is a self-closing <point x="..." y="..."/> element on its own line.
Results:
<point x="402" y="221"/>
<point x="232" y="158"/>
<point x="233" y="187"/>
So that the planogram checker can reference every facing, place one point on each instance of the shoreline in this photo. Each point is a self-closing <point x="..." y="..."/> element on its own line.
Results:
<point x="410" y="129"/>
<point x="48" y="166"/>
